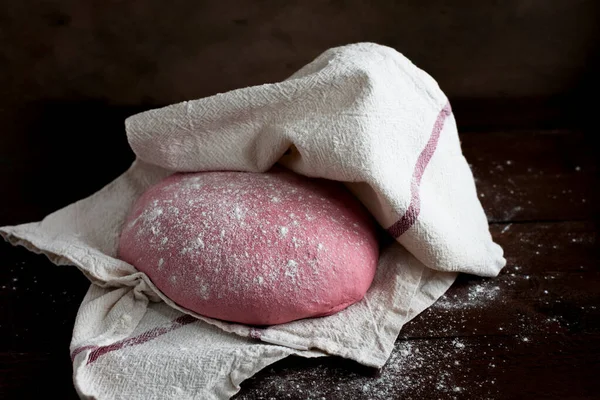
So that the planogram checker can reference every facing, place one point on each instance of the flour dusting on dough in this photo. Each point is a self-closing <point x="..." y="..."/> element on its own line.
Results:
<point x="241" y="238"/>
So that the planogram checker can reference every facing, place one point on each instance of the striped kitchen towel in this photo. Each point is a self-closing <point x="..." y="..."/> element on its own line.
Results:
<point x="361" y="114"/>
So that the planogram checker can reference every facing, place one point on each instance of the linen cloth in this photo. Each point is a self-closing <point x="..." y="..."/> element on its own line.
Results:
<point x="361" y="114"/>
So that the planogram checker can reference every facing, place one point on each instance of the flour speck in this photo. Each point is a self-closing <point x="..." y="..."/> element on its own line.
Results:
<point x="238" y="213"/>
<point x="291" y="269"/>
<point x="204" y="291"/>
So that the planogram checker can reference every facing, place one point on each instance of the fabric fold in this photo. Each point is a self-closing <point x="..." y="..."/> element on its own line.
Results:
<point x="361" y="114"/>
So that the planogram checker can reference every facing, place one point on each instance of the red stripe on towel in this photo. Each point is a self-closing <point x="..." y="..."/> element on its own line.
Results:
<point x="134" y="341"/>
<point x="414" y="208"/>
<point x="79" y="350"/>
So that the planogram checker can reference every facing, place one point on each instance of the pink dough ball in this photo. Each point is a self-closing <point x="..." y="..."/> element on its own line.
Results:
<point x="253" y="248"/>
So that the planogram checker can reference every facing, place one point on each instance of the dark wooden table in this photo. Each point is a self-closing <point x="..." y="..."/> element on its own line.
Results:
<point x="533" y="332"/>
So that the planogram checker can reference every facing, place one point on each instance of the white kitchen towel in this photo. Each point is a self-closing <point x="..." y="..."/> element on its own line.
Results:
<point x="361" y="114"/>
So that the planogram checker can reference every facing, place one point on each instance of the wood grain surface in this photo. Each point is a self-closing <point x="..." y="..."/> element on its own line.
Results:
<point x="532" y="332"/>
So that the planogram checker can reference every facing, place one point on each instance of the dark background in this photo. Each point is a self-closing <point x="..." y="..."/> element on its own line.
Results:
<point x="72" y="70"/>
<point x="522" y="77"/>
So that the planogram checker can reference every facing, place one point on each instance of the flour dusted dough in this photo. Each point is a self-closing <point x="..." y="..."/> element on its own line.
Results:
<point x="253" y="248"/>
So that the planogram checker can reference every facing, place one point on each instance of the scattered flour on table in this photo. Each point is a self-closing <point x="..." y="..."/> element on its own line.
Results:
<point x="478" y="296"/>
<point x="416" y="369"/>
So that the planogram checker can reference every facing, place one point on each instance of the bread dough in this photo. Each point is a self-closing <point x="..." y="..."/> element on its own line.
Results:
<point x="253" y="248"/>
